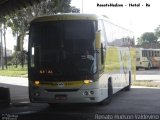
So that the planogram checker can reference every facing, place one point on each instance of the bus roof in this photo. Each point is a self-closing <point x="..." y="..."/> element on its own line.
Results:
<point x="75" y="16"/>
<point x="67" y="16"/>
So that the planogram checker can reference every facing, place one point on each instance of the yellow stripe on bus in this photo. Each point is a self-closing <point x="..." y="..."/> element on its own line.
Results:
<point x="62" y="84"/>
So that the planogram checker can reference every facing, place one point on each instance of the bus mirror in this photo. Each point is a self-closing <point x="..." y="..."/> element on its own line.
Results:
<point x="98" y="39"/>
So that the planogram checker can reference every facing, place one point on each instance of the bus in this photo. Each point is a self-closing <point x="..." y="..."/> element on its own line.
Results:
<point x="77" y="58"/>
<point x="147" y="58"/>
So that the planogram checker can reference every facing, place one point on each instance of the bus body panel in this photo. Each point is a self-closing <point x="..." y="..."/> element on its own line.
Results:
<point x="103" y="61"/>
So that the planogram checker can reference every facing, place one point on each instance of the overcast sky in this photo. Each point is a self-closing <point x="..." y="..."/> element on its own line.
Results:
<point x="138" y="19"/>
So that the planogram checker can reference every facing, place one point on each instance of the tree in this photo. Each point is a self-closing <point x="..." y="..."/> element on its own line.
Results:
<point x="147" y="37"/>
<point x="139" y="41"/>
<point x="75" y="10"/>
<point x="157" y="31"/>
<point x="19" y="25"/>
<point x="19" y="21"/>
<point x="1" y="45"/>
<point x="51" y="7"/>
<point x="3" y="21"/>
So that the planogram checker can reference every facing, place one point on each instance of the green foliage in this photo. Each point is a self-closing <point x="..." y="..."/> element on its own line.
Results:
<point x="3" y="21"/>
<point x="14" y="72"/>
<point x="49" y="7"/>
<point x="157" y="31"/>
<point x="19" y="21"/>
<point x="147" y="37"/>
<point x="18" y="58"/>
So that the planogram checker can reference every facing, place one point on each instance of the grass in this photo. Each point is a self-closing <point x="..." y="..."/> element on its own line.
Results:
<point x="148" y="83"/>
<point x="12" y="71"/>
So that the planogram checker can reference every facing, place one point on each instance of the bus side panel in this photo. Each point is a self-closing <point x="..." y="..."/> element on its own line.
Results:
<point x="133" y="63"/>
<point x="117" y="67"/>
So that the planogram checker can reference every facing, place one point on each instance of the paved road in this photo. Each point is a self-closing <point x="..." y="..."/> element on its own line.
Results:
<point x="152" y="74"/>
<point x="148" y="72"/>
<point x="140" y="100"/>
<point x="18" y="87"/>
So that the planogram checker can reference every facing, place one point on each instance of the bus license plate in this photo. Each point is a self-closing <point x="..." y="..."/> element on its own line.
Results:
<point x="60" y="97"/>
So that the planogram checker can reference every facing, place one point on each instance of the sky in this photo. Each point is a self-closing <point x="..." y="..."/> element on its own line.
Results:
<point x="137" y="19"/>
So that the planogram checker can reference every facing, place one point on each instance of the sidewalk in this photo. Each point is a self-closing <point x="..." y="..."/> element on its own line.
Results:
<point x="148" y="77"/>
<point x="18" y="88"/>
<point x="14" y="80"/>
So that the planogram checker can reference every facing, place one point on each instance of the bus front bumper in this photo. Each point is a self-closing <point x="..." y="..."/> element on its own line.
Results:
<point x="79" y="96"/>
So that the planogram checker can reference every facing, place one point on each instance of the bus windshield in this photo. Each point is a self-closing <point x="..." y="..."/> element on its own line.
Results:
<point x="65" y="47"/>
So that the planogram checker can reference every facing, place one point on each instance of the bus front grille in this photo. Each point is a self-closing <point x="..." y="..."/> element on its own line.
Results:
<point x="61" y="90"/>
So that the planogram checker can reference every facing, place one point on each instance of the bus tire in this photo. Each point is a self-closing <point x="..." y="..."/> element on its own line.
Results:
<point x="110" y="94"/>
<point x="137" y="68"/>
<point x="128" y="88"/>
<point x="149" y="66"/>
<point x="54" y="105"/>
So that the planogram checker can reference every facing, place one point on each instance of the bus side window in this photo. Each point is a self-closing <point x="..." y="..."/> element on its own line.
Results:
<point x="103" y="38"/>
<point x="142" y="53"/>
<point x="147" y="53"/>
<point x="155" y="53"/>
<point x="32" y="57"/>
<point x="101" y="28"/>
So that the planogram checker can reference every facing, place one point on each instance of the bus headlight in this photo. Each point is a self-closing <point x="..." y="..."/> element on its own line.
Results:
<point x="86" y="93"/>
<point x="36" y="83"/>
<point x="91" y="92"/>
<point x="88" y="81"/>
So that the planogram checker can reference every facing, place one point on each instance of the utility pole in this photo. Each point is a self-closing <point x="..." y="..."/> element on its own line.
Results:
<point x="82" y="6"/>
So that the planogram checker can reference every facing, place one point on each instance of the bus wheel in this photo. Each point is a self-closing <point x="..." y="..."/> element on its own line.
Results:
<point x="54" y="105"/>
<point x="137" y="68"/>
<point x="129" y="86"/>
<point x="149" y="67"/>
<point x="110" y="94"/>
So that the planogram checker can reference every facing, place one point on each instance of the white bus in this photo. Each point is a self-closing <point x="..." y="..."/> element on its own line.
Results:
<point x="147" y="58"/>
<point x="76" y="58"/>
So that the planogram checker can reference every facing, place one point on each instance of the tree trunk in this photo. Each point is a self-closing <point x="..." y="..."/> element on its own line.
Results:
<point x="5" y="50"/>
<point x="1" y="49"/>
<point x="20" y="39"/>
<point x="16" y="60"/>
